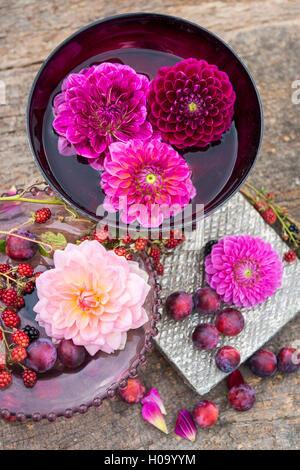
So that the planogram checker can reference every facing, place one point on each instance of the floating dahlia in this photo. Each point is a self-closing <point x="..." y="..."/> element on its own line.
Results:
<point x="243" y="270"/>
<point x="100" y="105"/>
<point x="147" y="181"/>
<point x="191" y="103"/>
<point x="92" y="296"/>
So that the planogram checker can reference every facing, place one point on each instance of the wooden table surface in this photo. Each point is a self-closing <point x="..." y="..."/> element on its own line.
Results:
<point x="266" y="34"/>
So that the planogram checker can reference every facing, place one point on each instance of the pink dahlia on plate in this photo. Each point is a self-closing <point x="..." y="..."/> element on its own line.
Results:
<point x="147" y="181"/>
<point x="100" y="105"/>
<point x="244" y="270"/>
<point x="91" y="296"/>
<point x="191" y="103"/>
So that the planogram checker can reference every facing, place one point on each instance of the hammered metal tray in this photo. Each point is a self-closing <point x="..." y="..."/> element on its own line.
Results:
<point x="184" y="271"/>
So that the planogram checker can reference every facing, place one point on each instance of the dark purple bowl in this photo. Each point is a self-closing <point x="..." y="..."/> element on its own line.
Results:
<point x="146" y="42"/>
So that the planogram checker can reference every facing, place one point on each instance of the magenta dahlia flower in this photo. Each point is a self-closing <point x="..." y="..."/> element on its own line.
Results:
<point x="191" y="103"/>
<point x="100" y="105"/>
<point x="147" y="181"/>
<point x="243" y="270"/>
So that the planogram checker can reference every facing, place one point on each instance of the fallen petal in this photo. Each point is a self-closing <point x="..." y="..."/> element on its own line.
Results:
<point x="151" y="413"/>
<point x="154" y="397"/>
<point x="185" y="426"/>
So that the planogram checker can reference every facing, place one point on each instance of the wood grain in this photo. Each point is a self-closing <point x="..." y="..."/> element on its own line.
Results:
<point x="266" y="34"/>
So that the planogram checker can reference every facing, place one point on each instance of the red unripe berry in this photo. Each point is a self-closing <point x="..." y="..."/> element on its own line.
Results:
<point x="140" y="243"/>
<point x="20" y="338"/>
<point x="10" y="318"/>
<point x="18" y="353"/>
<point x="269" y="216"/>
<point x="4" y="268"/>
<point x="9" y="297"/>
<point x="290" y="256"/>
<point x="120" y="251"/>
<point x="172" y="243"/>
<point x="5" y="378"/>
<point x="101" y="235"/>
<point x="160" y="268"/>
<point x="24" y="269"/>
<point x="42" y="215"/>
<point x="155" y="254"/>
<point x="127" y="239"/>
<point x="260" y="206"/>
<point x="29" y="288"/>
<point x="29" y="378"/>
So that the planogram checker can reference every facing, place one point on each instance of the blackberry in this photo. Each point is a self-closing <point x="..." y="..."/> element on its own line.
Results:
<point x="31" y="332"/>
<point x="208" y="247"/>
<point x="293" y="228"/>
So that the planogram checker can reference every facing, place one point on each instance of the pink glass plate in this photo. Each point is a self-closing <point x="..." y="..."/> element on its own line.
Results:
<point x="60" y="391"/>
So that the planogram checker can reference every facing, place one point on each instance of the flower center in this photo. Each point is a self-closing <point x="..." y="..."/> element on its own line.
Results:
<point x="192" y="106"/>
<point x="87" y="301"/>
<point x="248" y="272"/>
<point x="107" y="116"/>
<point x="151" y="178"/>
<point x="149" y="181"/>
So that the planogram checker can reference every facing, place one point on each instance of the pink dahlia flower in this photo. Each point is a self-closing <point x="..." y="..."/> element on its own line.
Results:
<point x="191" y="103"/>
<point x="92" y="296"/>
<point x="243" y="270"/>
<point x="147" y="181"/>
<point x="100" y="105"/>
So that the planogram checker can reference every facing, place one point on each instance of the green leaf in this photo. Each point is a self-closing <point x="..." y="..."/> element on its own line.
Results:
<point x="2" y="246"/>
<point x="58" y="240"/>
<point x="44" y="252"/>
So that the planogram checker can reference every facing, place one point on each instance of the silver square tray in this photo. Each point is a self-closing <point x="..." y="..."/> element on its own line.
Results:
<point x="184" y="271"/>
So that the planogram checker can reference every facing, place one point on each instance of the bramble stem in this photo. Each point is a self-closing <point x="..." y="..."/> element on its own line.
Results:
<point x="35" y="201"/>
<point x="274" y="207"/>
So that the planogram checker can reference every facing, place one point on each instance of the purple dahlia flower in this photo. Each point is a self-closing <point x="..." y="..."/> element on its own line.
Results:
<point x="191" y="103"/>
<point x="146" y="180"/>
<point x="243" y="270"/>
<point x="100" y="105"/>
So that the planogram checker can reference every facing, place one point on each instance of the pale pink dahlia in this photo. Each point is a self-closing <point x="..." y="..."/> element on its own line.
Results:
<point x="147" y="181"/>
<point x="100" y="105"/>
<point x="92" y="296"/>
<point x="243" y="270"/>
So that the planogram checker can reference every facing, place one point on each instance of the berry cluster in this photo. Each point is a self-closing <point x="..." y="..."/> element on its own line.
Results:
<point x="15" y="282"/>
<point x="16" y="352"/>
<point x="264" y="202"/>
<point x="127" y="245"/>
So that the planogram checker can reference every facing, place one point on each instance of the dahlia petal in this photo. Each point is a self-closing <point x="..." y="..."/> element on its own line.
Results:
<point x="152" y="414"/>
<point x="185" y="426"/>
<point x="153" y="396"/>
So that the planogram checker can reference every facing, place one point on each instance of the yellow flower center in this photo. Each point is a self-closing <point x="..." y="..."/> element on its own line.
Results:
<point x="192" y="106"/>
<point x="151" y="178"/>
<point x="248" y="272"/>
